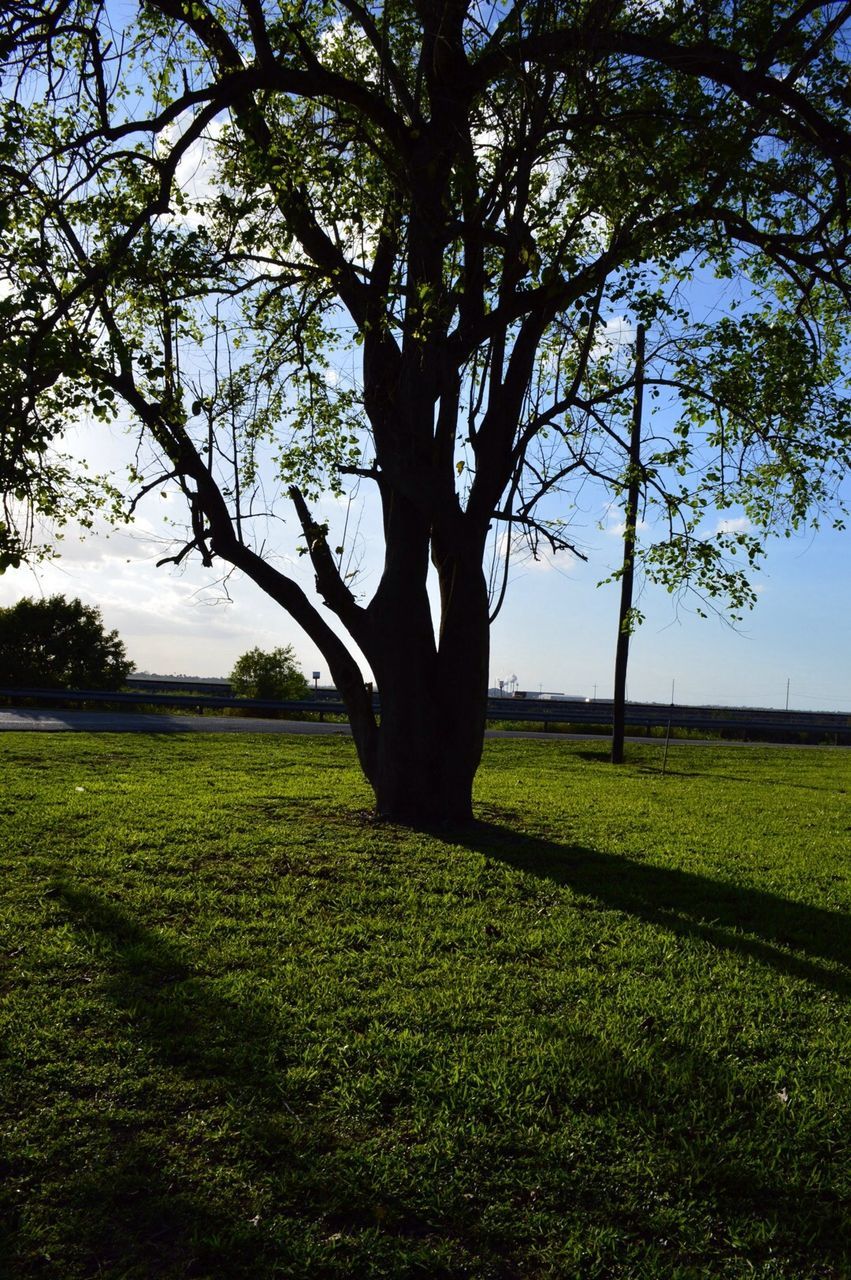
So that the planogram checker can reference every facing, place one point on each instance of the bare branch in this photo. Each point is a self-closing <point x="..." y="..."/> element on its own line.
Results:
<point x="329" y="583"/>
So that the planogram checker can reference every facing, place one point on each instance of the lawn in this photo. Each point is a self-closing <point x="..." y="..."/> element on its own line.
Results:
<point x="248" y="1032"/>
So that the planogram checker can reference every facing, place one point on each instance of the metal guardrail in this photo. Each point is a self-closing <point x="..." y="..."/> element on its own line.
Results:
<point x="647" y="715"/>
<point x="216" y="688"/>
<point x="183" y="701"/>
<point x="178" y="684"/>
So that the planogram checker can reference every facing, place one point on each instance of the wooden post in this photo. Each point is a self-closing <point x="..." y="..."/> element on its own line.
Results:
<point x="628" y="572"/>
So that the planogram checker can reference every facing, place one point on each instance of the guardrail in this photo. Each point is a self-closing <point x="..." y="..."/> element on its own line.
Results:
<point x="650" y="715"/>
<point x="183" y="701"/>
<point x="216" y="688"/>
<point x="745" y="721"/>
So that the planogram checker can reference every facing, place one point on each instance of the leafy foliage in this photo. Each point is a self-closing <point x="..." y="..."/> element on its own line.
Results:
<point x="274" y="674"/>
<point x="56" y="643"/>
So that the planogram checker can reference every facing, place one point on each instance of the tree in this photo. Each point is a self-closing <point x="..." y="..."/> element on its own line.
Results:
<point x="468" y="197"/>
<point x="59" y="644"/>
<point x="271" y="675"/>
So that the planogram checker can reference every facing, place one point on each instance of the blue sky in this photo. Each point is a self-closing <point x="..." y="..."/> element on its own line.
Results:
<point x="562" y="629"/>
<point x="555" y="633"/>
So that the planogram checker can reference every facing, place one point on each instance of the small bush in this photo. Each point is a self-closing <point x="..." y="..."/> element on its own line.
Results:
<point x="273" y="675"/>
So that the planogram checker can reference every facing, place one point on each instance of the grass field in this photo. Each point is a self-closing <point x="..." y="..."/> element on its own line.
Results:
<point x="250" y="1033"/>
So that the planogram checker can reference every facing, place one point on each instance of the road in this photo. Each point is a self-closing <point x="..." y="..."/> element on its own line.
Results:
<point x="41" y="721"/>
<point x="14" y="720"/>
<point x="146" y="722"/>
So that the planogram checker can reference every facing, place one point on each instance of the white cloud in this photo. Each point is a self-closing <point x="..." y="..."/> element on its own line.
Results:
<point x="196" y="173"/>
<point x="179" y="620"/>
<point x="734" y="524"/>
<point x="522" y="558"/>
<point x="170" y="621"/>
<point x="598" y="232"/>
<point x="615" y="333"/>
<point x="105" y="545"/>
<point x="619" y="529"/>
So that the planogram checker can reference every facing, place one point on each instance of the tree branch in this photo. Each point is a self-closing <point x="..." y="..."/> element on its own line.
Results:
<point x="329" y="583"/>
<point x="703" y="60"/>
<point x="556" y="541"/>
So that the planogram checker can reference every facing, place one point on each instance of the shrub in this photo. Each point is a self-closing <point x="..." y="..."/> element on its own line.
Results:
<point x="274" y="675"/>
<point x="57" y="643"/>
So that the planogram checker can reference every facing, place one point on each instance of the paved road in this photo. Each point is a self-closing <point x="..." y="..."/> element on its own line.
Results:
<point x="20" y="720"/>
<point x="146" y="722"/>
<point x="45" y="721"/>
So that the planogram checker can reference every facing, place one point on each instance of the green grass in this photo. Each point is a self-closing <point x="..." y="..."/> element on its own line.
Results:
<point x="250" y="1033"/>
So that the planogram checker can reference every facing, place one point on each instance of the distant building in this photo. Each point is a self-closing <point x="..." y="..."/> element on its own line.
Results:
<point x="543" y="696"/>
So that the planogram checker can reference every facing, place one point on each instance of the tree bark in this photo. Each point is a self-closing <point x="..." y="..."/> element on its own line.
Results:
<point x="433" y="691"/>
<point x="427" y="757"/>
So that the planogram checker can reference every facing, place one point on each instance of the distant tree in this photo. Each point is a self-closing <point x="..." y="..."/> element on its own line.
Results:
<point x="275" y="674"/>
<point x="58" y="643"/>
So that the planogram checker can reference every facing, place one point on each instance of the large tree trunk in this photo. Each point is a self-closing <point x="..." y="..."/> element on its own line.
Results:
<point x="427" y="758"/>
<point x="433" y="693"/>
<point x="432" y="730"/>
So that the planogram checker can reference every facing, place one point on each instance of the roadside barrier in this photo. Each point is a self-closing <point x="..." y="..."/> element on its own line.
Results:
<point x="744" y="722"/>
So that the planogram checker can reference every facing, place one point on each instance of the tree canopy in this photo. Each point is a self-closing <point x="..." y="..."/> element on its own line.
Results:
<point x="57" y="643"/>
<point x="273" y="674"/>
<point x="202" y="209"/>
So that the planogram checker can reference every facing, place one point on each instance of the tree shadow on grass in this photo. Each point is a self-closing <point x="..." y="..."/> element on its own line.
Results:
<point x="139" y="1212"/>
<point x="274" y="1187"/>
<point x="135" y="1211"/>
<point x="791" y="937"/>
<point x="748" y="780"/>
<point x="673" y="769"/>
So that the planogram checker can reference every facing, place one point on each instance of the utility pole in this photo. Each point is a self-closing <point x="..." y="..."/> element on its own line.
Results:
<point x="628" y="572"/>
